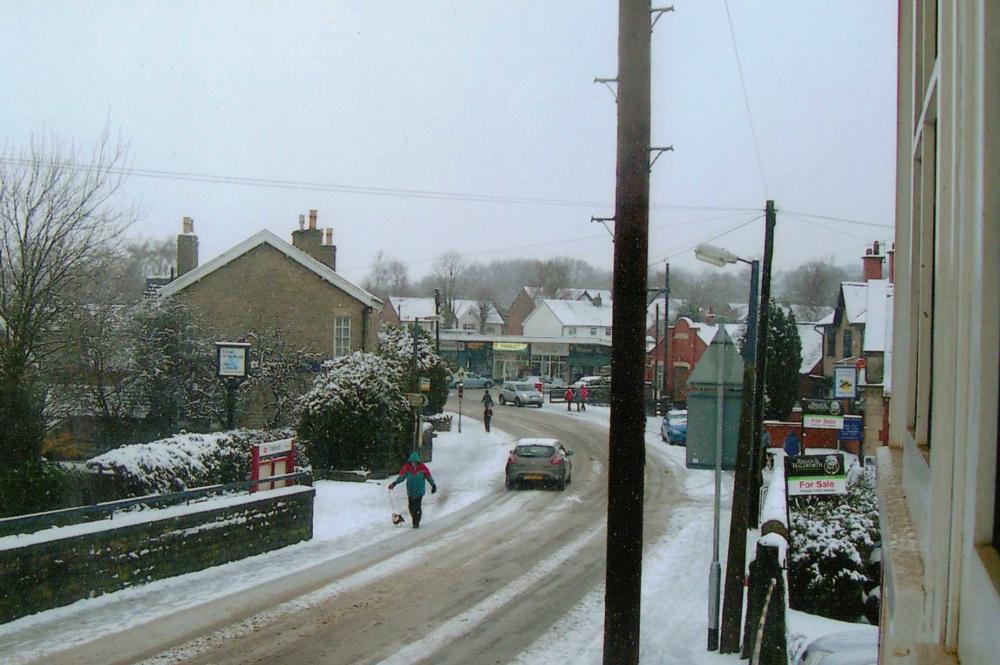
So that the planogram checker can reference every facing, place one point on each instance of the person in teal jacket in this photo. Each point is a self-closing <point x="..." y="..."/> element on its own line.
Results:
<point x="416" y="474"/>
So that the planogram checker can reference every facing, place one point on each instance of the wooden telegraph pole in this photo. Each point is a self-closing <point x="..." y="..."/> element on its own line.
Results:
<point x="627" y="451"/>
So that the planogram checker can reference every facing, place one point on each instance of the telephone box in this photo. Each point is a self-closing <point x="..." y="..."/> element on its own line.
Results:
<point x="274" y="458"/>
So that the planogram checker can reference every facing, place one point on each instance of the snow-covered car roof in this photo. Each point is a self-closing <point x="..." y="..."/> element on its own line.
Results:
<point x="537" y="442"/>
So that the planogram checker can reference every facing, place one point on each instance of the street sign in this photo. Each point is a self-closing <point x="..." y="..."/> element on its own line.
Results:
<point x="822" y="422"/>
<point x="810" y="475"/>
<point x="416" y="399"/>
<point x="852" y="429"/>
<point x="822" y="406"/>
<point x="460" y="375"/>
<point x="425" y="385"/>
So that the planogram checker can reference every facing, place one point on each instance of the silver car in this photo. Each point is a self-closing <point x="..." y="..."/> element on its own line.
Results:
<point x="520" y="393"/>
<point x="541" y="461"/>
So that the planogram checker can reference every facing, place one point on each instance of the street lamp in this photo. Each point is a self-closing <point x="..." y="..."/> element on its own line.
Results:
<point x="719" y="258"/>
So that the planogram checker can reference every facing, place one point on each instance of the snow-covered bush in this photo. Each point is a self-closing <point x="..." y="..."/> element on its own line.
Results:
<point x="396" y="345"/>
<point x="185" y="460"/>
<point x="355" y="415"/>
<point x="832" y="539"/>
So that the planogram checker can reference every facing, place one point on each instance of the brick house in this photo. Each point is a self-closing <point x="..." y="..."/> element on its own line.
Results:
<point x="265" y="282"/>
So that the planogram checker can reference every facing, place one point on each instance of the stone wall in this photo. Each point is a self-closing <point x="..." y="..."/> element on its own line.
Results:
<point x="60" y="571"/>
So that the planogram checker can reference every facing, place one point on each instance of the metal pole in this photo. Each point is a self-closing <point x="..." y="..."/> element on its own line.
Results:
<point x="414" y="388"/>
<point x="230" y="404"/>
<point x="750" y="343"/>
<point x="656" y="361"/>
<point x="437" y="323"/>
<point x="666" y="332"/>
<point x="626" y="445"/>
<point x="715" y="571"/>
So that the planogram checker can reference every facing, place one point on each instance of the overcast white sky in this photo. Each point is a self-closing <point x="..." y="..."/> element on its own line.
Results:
<point x="377" y="99"/>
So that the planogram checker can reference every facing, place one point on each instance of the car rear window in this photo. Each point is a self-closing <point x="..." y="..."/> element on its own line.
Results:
<point x="677" y="420"/>
<point x="535" y="451"/>
<point x="524" y="386"/>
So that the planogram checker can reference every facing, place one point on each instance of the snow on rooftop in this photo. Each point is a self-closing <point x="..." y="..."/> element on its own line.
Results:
<point x="812" y="346"/>
<point x="855" y="300"/>
<point x="877" y="314"/>
<point x="408" y="308"/>
<point x="580" y="313"/>
<point x="462" y="306"/>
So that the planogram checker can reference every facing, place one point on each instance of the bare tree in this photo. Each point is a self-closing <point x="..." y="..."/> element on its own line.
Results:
<point x="552" y="275"/>
<point x="388" y="277"/>
<point x="447" y="274"/>
<point x="60" y="224"/>
<point x="815" y="286"/>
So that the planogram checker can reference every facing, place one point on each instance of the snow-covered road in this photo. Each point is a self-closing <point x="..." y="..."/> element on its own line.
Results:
<point x="357" y="557"/>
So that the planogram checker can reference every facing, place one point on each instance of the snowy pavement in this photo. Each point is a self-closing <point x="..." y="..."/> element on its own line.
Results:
<point x="467" y="467"/>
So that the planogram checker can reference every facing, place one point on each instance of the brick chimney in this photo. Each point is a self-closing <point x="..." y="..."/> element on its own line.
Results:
<point x="597" y="300"/>
<point x="871" y="262"/>
<point x="310" y="241"/>
<point x="710" y="317"/>
<point x="187" y="247"/>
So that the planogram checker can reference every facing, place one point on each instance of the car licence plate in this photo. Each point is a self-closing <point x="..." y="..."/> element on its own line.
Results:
<point x="533" y="476"/>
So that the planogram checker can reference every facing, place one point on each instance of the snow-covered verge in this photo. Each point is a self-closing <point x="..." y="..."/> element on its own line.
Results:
<point x="185" y="460"/>
<point x="354" y="515"/>
<point x="347" y="516"/>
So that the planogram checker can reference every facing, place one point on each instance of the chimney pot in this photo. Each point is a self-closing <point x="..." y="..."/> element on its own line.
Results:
<point x="875" y="248"/>
<point x="329" y="237"/>
<point x="187" y="225"/>
<point x="302" y="222"/>
<point x="312" y="220"/>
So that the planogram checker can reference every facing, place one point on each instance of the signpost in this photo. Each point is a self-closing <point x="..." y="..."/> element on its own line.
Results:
<point x="231" y="362"/>
<point x="812" y="475"/>
<point x="461" y="392"/>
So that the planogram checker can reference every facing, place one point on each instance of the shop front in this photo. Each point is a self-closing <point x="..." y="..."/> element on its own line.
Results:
<point x="475" y="357"/>
<point x="549" y="360"/>
<point x="587" y="359"/>
<point x="511" y="360"/>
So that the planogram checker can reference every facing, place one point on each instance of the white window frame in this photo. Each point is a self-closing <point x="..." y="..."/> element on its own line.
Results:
<point x="341" y="342"/>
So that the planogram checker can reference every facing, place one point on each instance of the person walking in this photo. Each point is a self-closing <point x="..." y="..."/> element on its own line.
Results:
<point x="578" y="397"/>
<point x="487" y="416"/>
<point x="584" y="393"/>
<point x="416" y="474"/>
<point x="487" y="399"/>
<point x="569" y="399"/>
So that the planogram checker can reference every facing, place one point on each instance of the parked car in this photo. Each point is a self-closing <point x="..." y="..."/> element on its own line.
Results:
<point x="674" y="428"/>
<point x="539" y="460"/>
<point x="547" y="383"/>
<point x="848" y="647"/>
<point x="519" y="393"/>
<point x="586" y="381"/>
<point x="471" y="381"/>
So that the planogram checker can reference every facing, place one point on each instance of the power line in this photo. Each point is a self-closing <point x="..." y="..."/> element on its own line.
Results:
<point x="839" y="219"/>
<point x="746" y="101"/>
<point x="825" y="227"/>
<point x="275" y="183"/>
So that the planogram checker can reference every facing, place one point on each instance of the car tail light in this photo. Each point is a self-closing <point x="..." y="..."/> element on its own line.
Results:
<point x="556" y="460"/>
<point x="511" y="459"/>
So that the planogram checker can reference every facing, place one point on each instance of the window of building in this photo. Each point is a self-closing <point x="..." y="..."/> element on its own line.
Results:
<point x="468" y="326"/>
<point x="607" y="331"/>
<point x="848" y="343"/>
<point x="593" y="331"/>
<point x="831" y="342"/>
<point x="571" y="330"/>
<point x="341" y="335"/>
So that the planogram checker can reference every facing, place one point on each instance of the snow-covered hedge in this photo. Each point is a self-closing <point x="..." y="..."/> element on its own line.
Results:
<point x="396" y="345"/>
<point x="185" y="460"/>
<point x="832" y="540"/>
<point x="355" y="415"/>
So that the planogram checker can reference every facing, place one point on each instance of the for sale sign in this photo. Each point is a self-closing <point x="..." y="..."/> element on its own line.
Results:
<point x="810" y="475"/>
<point x="822" y="422"/>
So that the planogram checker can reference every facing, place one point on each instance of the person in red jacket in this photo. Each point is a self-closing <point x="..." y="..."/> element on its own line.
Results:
<point x="416" y="474"/>
<point x="583" y="398"/>
<point x="569" y="399"/>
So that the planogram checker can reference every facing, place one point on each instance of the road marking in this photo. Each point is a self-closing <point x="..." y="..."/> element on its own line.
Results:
<point x="458" y="626"/>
